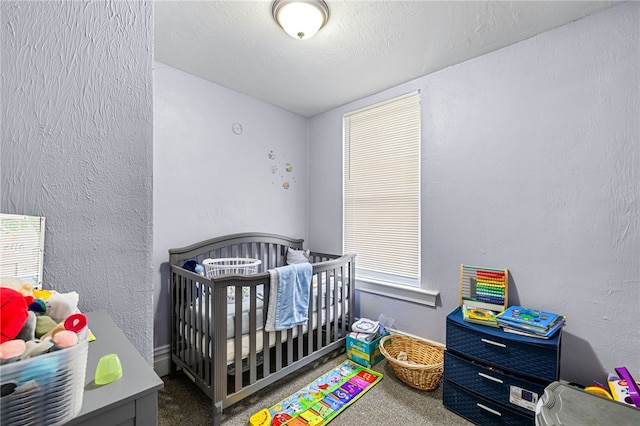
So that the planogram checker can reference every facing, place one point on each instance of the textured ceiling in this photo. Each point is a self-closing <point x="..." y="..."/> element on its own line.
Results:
<point x="366" y="47"/>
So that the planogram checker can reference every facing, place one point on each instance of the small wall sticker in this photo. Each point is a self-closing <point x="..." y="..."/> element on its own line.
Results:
<point x="276" y="167"/>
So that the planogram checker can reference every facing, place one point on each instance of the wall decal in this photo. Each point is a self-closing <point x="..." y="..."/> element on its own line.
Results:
<point x="278" y="169"/>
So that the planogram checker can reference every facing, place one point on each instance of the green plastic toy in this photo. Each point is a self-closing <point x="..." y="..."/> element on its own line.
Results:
<point x="109" y="369"/>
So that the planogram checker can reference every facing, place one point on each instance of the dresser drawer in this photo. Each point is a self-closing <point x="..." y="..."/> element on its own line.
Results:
<point x="479" y="410"/>
<point x="521" y="395"/>
<point x="536" y="358"/>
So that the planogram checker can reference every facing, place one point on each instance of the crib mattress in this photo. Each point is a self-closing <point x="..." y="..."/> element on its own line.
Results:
<point x="197" y="335"/>
<point x="261" y="314"/>
<point x="272" y="335"/>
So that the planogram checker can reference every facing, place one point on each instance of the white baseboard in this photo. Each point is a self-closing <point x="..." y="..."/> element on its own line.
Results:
<point x="433" y="342"/>
<point x="162" y="360"/>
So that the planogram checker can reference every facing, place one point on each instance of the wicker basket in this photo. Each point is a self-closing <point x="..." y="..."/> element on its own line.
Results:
<point x="427" y="371"/>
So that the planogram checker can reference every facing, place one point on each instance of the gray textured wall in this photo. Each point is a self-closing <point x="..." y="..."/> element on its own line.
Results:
<point x="530" y="162"/>
<point x="76" y="148"/>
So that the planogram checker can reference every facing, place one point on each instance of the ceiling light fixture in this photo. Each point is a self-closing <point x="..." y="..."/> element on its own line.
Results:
<point x="300" y="19"/>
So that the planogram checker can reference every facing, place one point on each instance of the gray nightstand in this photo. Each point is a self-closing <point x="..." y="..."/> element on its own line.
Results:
<point x="132" y="399"/>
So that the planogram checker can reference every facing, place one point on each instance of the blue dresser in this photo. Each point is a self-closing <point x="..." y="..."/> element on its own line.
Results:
<point x="496" y="378"/>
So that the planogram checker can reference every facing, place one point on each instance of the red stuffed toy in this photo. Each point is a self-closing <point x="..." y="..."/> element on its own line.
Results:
<point x="13" y="313"/>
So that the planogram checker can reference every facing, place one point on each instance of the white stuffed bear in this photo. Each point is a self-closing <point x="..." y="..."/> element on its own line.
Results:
<point x="61" y="305"/>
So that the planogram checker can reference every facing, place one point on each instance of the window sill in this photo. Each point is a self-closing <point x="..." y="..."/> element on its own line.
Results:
<point x="394" y="291"/>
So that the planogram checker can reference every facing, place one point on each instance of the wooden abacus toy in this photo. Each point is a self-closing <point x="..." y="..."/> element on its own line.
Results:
<point x="484" y="288"/>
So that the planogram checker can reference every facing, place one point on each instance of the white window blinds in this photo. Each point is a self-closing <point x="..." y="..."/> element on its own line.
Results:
<point x="382" y="190"/>
<point x="22" y="247"/>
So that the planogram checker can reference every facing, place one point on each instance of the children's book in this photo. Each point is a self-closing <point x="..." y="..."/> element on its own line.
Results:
<point x="523" y="333"/>
<point x="479" y="316"/>
<point x="531" y="328"/>
<point x="524" y="330"/>
<point x="530" y="317"/>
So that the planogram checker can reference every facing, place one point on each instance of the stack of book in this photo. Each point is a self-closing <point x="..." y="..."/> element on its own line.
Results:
<point x="530" y="322"/>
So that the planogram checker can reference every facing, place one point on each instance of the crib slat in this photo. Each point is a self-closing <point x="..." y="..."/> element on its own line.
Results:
<point x="254" y="254"/>
<point x="337" y="301"/>
<point x="253" y="361"/>
<point x="219" y="343"/>
<point x="176" y="342"/>
<point x="266" y="353"/>
<point x="198" y="320"/>
<point x="278" y="346"/>
<point x="319" y="323"/>
<point x="310" y="325"/>
<point x="328" y="314"/>
<point x="310" y="316"/>
<point x="182" y="333"/>
<point x="186" y="330"/>
<point x="289" y="359"/>
<point x="300" y="340"/>
<point x="189" y="331"/>
<point x="237" y="346"/>
<point x="177" y="332"/>
<point x="205" y="295"/>
<point x="193" y="326"/>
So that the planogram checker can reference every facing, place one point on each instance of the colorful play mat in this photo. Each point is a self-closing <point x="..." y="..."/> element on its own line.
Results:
<point x="323" y="399"/>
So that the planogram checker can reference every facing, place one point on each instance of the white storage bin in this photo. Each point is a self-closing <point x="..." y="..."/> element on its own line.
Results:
<point x="48" y="388"/>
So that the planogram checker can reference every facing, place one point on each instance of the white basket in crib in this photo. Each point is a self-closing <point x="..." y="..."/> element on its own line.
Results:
<point x="230" y="265"/>
<point x="49" y="388"/>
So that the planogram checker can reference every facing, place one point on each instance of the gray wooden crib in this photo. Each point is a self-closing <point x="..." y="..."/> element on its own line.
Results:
<point x="217" y="334"/>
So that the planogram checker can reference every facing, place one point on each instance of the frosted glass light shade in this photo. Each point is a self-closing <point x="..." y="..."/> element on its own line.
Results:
<point x="301" y="19"/>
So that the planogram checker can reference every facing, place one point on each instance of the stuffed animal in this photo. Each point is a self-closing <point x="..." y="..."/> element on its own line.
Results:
<point x="38" y="306"/>
<point x="37" y="347"/>
<point x="54" y="304"/>
<point x="13" y="313"/>
<point x="28" y="331"/>
<point x="65" y="339"/>
<point x="11" y="350"/>
<point x="44" y="324"/>
<point x="61" y="305"/>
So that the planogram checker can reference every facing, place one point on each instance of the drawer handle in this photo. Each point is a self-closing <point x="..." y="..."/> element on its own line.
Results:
<point x="484" y="407"/>
<point x="491" y="342"/>
<point x="486" y="376"/>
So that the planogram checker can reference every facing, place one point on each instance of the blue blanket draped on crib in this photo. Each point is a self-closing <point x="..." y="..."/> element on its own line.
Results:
<point x="289" y="296"/>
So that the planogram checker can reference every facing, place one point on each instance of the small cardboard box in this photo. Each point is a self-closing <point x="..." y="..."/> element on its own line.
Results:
<point x="365" y="354"/>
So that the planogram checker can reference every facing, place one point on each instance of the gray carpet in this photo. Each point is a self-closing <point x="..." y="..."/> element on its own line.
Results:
<point x="390" y="401"/>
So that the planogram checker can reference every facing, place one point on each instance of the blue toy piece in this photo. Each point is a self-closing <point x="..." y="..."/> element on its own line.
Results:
<point x="42" y="370"/>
